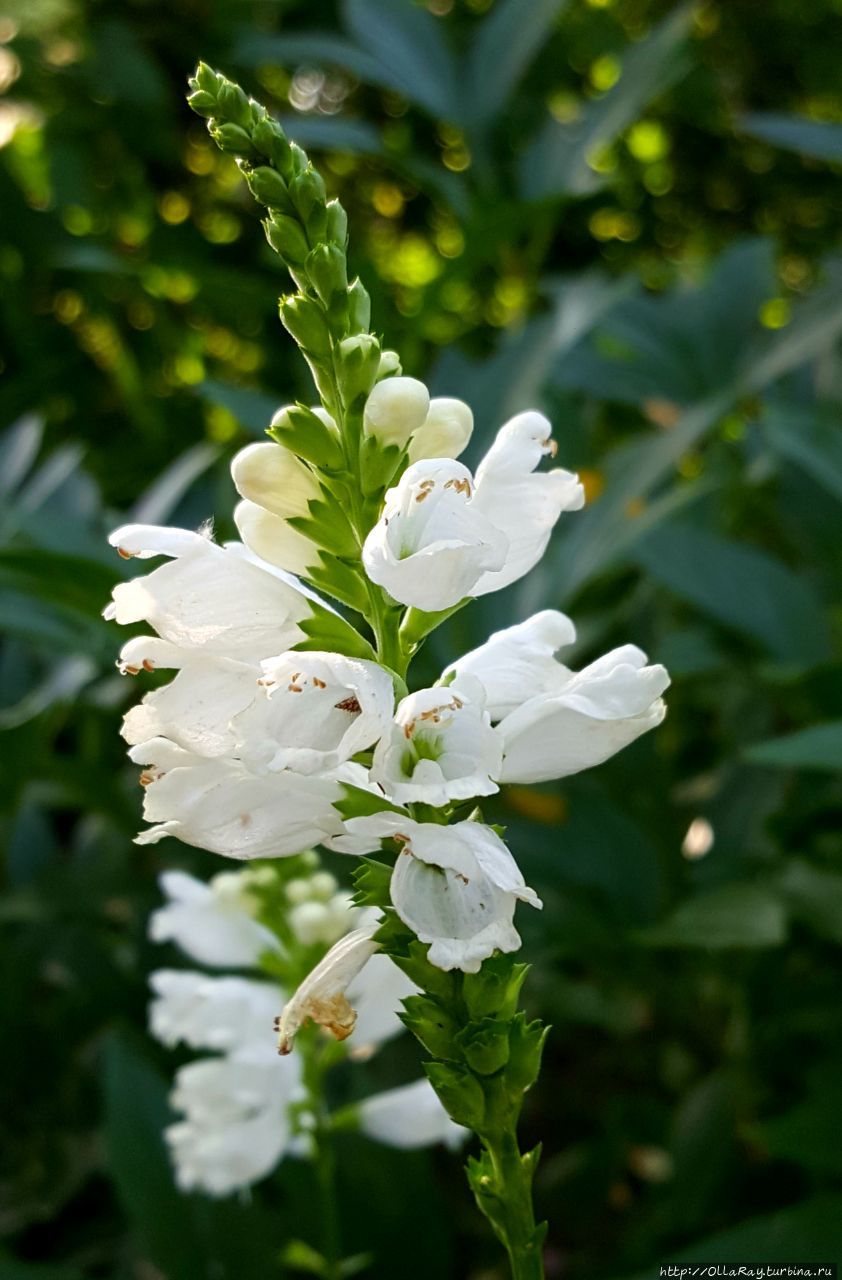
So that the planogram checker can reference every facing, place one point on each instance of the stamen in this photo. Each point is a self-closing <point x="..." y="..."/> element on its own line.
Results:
<point x="148" y="664"/>
<point x="320" y="684"/>
<point x="294" y="688"/>
<point x="127" y="555"/>
<point x="349" y="704"/>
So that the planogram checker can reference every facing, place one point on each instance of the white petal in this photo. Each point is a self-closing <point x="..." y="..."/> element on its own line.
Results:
<point x="445" y="431"/>
<point x="274" y="540"/>
<point x="147" y="540"/>
<point x="518" y="663"/>
<point x="213" y="928"/>
<point x="221" y="1159"/>
<point x="195" y="709"/>
<point x="376" y="994"/>
<point x="410" y="1116"/>
<point x="226" y="1014"/>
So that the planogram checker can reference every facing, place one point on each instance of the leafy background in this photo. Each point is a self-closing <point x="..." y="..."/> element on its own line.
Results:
<point x="626" y="212"/>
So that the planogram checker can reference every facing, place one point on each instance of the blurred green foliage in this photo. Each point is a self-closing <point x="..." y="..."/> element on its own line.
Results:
<point x="622" y="210"/>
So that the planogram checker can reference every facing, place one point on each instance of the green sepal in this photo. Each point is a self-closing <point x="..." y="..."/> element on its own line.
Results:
<point x="378" y="464"/>
<point x="329" y="632"/>
<point x="359" y="358"/>
<point x="432" y="1025"/>
<point x="371" y="883"/>
<point x="411" y="956"/>
<point x="526" y="1044"/>
<point x="232" y="138"/>
<point x="356" y="802"/>
<point x="359" y="307"/>
<point x="298" y="429"/>
<point x="267" y="186"/>
<point x="204" y="104"/>
<point x="485" y="1045"/>
<point x="327" y="526"/>
<point x="233" y="104"/>
<point x="328" y="271"/>
<point x="286" y="238"/>
<point x="417" y="624"/>
<point x="495" y="988"/>
<point x="340" y="580"/>
<point x="204" y="77"/>
<point x="336" y="229"/>
<point x="460" y="1093"/>
<point x="307" y="190"/>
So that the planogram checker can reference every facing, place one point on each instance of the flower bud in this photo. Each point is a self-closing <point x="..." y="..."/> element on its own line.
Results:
<point x="337" y="223"/>
<point x="396" y="408"/>
<point x="445" y="431"/>
<point x="274" y="478"/>
<point x="485" y="1045"/>
<point x="274" y="540"/>
<point x="232" y="138"/>
<point x="431" y="1023"/>
<point x="269" y="139"/>
<point x="312" y="922"/>
<point x="308" y="192"/>
<point x="360" y="357"/>
<point x="234" y="105"/>
<point x="286" y="238"/>
<point x="327" y="270"/>
<point x="359" y="308"/>
<point x="267" y="186"/>
<point x="305" y="321"/>
<point x="390" y="364"/>
<point x="204" y="104"/>
<point x="207" y="79"/>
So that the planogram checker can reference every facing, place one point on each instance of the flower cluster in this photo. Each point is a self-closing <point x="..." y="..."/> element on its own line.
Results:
<point x="242" y="1110"/>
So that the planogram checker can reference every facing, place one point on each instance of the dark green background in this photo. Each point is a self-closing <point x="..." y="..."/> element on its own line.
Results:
<point x="625" y="212"/>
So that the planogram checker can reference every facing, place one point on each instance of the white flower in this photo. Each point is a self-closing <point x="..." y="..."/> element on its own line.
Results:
<point x="445" y="431"/>
<point x="209" y="598"/>
<point x="221" y="806"/>
<point x="196" y="708"/>
<point x="376" y="994"/>
<point x="455" y="887"/>
<point x="322" y="995"/>
<point x="588" y="717"/>
<point x="275" y="540"/>
<point x="395" y="409"/>
<point x="518" y="663"/>
<point x="319" y="709"/>
<point x="236" y="1126"/>
<point x="524" y="503"/>
<point x="226" y="1014"/>
<point x="408" y="1117"/>
<point x="212" y="923"/>
<point x="442" y="536"/>
<point x="274" y="478"/>
<point x="441" y="747"/>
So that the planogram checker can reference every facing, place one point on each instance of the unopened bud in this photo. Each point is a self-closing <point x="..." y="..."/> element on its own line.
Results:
<point x="485" y="1045"/>
<point x="360" y="357"/>
<point x="396" y="408"/>
<point x="204" y="104"/>
<point x="390" y="364"/>
<point x="308" y="192"/>
<point x="337" y="223"/>
<point x="268" y="137"/>
<point x="232" y="138"/>
<point x="268" y="187"/>
<point x="445" y="431"/>
<point x="286" y="238"/>
<point x="305" y="321"/>
<point x="359" y="308"/>
<point x="234" y="105"/>
<point x="327" y="270"/>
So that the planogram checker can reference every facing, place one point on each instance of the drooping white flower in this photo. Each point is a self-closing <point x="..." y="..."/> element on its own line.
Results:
<point x="322" y="996"/>
<point x="215" y="599"/>
<point x="318" y="710"/>
<point x="212" y="923"/>
<point x="196" y="708"/>
<point x="222" y="806"/>
<point x="589" y="716"/>
<point x="518" y="663"/>
<point x="440" y="747"/>
<point x="408" y="1117"/>
<point x="443" y="536"/>
<point x="236" y="1123"/>
<point x="455" y="887"/>
<point x="430" y="547"/>
<point x="226" y="1014"/>
<point x="395" y="409"/>
<point x="524" y="503"/>
<point x="445" y="431"/>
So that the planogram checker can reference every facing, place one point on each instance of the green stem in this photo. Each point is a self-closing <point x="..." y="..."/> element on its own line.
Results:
<point x="316" y="1060"/>
<point x="505" y="1194"/>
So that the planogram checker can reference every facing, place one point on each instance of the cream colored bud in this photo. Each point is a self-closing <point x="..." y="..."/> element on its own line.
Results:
<point x="273" y="539"/>
<point x="396" y="408"/>
<point x="274" y="478"/>
<point x="390" y="364"/>
<point x="445" y="431"/>
<point x="312" y="922"/>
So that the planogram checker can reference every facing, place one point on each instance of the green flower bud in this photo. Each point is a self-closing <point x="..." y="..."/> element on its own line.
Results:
<point x="485" y="1045"/>
<point x="337" y="224"/>
<point x="268" y="187"/>
<point x="234" y="105"/>
<point x="359" y="308"/>
<point x="305" y="320"/>
<point x="360" y="358"/>
<point x="460" y="1093"/>
<point x="327" y="270"/>
<point x="430" y="1023"/>
<point x="286" y="238"/>
<point x="204" y="104"/>
<point x="269" y="139"/>
<point x="298" y="158"/>
<point x="207" y="79"/>
<point x="231" y="138"/>
<point x="310" y="434"/>
<point x="526" y="1044"/>
<point x="307" y="190"/>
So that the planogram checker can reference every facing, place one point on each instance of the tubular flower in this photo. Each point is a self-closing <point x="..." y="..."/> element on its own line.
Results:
<point x="318" y="710"/>
<point x="395" y="409"/>
<point x="455" y="887"/>
<point x="212" y="923"/>
<point x="443" y="536"/>
<point x="217" y="600"/>
<point x="210" y="1013"/>
<point x="196" y="708"/>
<point x="322" y="995"/>
<point x="222" y="806"/>
<point x="440" y="747"/>
<point x="408" y="1117"/>
<point x="592" y="715"/>
<point x="445" y="431"/>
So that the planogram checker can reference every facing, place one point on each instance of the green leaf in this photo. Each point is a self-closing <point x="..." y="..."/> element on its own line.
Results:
<point x="738" y="915"/>
<point x="499" y="52"/>
<point x="806" y="1133"/>
<point x="814" y="896"/>
<point x="819" y="747"/>
<point x="808" y="137"/>
<point x="13" y="1269"/>
<point x="742" y="587"/>
<point x="809" y="437"/>
<point x="408" y="45"/>
<point x="556" y="163"/>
